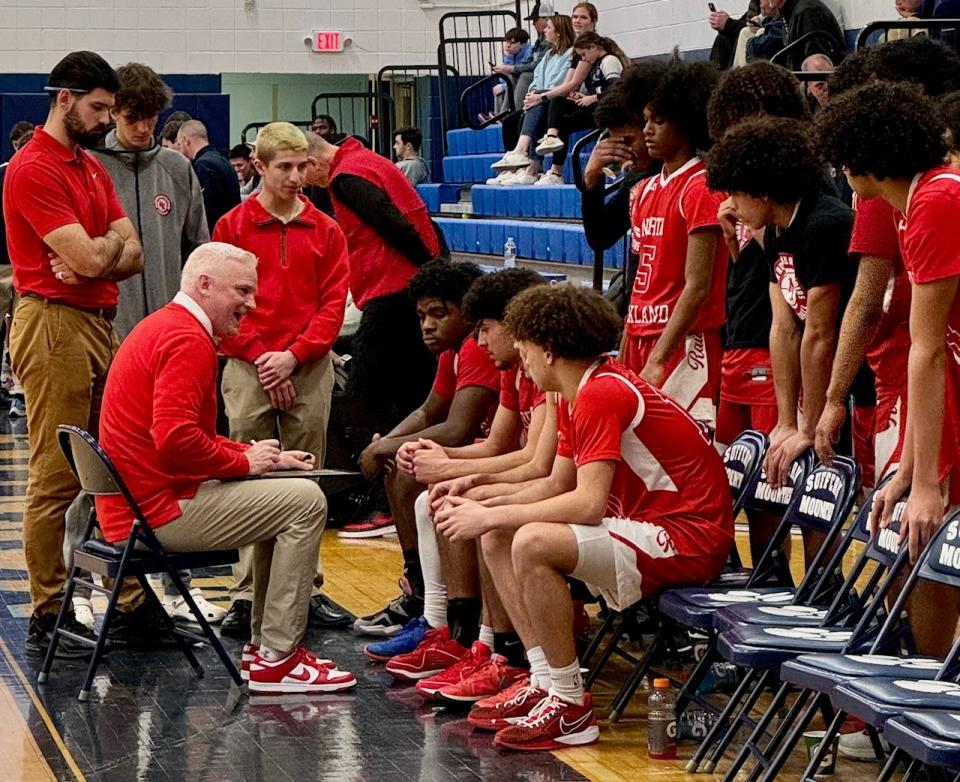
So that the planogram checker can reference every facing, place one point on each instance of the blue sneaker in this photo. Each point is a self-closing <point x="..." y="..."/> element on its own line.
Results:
<point x="402" y="643"/>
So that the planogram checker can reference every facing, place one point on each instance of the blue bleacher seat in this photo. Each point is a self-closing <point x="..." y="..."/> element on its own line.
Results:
<point x="434" y="195"/>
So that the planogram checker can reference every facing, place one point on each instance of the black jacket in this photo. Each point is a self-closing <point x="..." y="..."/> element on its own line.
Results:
<point x="806" y="16"/>
<point x="221" y="188"/>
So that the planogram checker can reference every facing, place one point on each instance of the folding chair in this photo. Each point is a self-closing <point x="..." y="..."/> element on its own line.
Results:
<point x="931" y="738"/>
<point x="822" y="506"/>
<point x="850" y="624"/>
<point x="139" y="556"/>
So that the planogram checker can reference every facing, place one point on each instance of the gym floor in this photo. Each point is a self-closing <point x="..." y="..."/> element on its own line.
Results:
<point x="151" y="718"/>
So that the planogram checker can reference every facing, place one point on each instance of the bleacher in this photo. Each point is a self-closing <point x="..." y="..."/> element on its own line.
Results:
<point x="477" y="219"/>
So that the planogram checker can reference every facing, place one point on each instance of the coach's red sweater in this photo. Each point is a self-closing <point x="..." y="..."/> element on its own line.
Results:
<point x="302" y="274"/>
<point x="159" y="416"/>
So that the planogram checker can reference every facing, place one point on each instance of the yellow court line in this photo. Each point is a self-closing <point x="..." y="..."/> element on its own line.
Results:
<point x="44" y="715"/>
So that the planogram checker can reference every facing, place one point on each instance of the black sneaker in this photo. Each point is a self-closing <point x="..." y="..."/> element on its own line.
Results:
<point x="142" y="628"/>
<point x="236" y="624"/>
<point x="392" y="619"/>
<point x="40" y="634"/>
<point x="325" y="613"/>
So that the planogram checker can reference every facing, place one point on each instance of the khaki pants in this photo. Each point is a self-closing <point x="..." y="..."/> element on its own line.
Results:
<point x="280" y="521"/>
<point x="303" y="427"/>
<point x="61" y="356"/>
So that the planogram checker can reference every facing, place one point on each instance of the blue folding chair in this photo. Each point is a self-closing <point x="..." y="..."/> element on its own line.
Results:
<point x="931" y="738"/>
<point x="851" y="623"/>
<point x="743" y="460"/>
<point x="822" y="505"/>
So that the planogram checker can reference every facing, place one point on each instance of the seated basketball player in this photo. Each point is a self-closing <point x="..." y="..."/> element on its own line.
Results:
<point x="637" y="501"/>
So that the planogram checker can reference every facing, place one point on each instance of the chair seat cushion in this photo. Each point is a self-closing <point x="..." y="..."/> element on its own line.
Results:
<point x="755" y="646"/>
<point x="103" y="558"/>
<point x="877" y="699"/>
<point x="820" y="672"/>
<point x="933" y="737"/>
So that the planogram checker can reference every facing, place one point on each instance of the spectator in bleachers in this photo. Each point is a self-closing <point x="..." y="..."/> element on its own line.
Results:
<point x="817" y="63"/>
<point x="622" y="151"/>
<point x="910" y="9"/>
<point x="241" y="159"/>
<point x="672" y="336"/>
<point x="762" y="38"/>
<point x="575" y="111"/>
<point x="637" y="501"/>
<point x="325" y="126"/>
<point x="221" y="188"/>
<point x="69" y="241"/>
<point x="728" y="33"/>
<point x="776" y="185"/>
<point x="406" y="146"/>
<point x="549" y="81"/>
<point x="517" y="50"/>
<point x="809" y="16"/>
<point x="279" y="375"/>
<point x="457" y="410"/>
<point x="523" y="72"/>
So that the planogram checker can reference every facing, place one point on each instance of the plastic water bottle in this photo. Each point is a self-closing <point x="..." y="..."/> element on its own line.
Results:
<point x="662" y="721"/>
<point x="509" y="254"/>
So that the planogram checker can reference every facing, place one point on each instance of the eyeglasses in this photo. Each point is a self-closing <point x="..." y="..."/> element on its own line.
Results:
<point x="71" y="90"/>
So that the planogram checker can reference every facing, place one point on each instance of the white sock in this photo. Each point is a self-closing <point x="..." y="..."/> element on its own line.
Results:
<point x="434" y="590"/>
<point x="567" y="683"/>
<point x="539" y="670"/>
<point x="271" y="655"/>
<point x="486" y="635"/>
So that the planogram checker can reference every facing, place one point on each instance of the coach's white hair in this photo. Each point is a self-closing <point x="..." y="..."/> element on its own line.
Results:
<point x="210" y="258"/>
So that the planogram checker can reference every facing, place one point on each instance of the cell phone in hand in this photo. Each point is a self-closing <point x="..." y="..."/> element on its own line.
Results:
<point x="712" y="7"/>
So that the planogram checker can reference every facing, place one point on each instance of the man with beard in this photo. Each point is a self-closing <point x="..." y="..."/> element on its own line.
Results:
<point x="69" y="242"/>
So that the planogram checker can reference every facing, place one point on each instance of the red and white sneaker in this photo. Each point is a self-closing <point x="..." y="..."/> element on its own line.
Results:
<point x="466" y="666"/>
<point x="488" y="680"/>
<point x="299" y="671"/>
<point x="506" y="708"/>
<point x="250" y="651"/>
<point x="435" y="653"/>
<point x="553" y="724"/>
<point x="376" y="527"/>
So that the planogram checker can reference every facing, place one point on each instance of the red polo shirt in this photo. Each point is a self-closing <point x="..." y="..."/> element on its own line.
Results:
<point x="302" y="275"/>
<point x="47" y="187"/>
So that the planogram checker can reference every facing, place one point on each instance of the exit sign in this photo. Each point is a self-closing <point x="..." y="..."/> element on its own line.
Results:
<point x="326" y="41"/>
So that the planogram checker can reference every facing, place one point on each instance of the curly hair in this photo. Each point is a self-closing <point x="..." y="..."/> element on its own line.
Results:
<point x="569" y="321"/>
<point x="681" y="98"/>
<point x="950" y="111"/>
<point x="920" y="60"/>
<point x="489" y="295"/>
<point x="142" y="93"/>
<point x="884" y="129"/>
<point x="766" y="157"/>
<point x="440" y="279"/>
<point x="623" y="103"/>
<point x="758" y="89"/>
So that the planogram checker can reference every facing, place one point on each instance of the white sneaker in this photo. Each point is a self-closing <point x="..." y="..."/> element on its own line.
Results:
<point x="511" y="161"/>
<point x="549" y="144"/>
<point x="177" y="608"/>
<point x="857" y="746"/>
<point x="522" y="178"/>
<point x="83" y="611"/>
<point x="550" y="178"/>
<point x="498" y="179"/>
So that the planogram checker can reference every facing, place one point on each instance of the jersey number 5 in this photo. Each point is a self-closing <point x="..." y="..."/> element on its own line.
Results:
<point x="644" y="267"/>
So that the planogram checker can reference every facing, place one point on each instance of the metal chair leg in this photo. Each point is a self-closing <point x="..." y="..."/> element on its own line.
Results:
<point x="605" y="627"/>
<point x="55" y="636"/>
<point x="833" y="729"/>
<point x="170" y="625"/>
<point x="742" y="713"/>
<point x="104" y="629"/>
<point x="787" y="735"/>
<point x="608" y="651"/>
<point x="697" y="675"/>
<point x="630" y="686"/>
<point x="717" y="730"/>
<point x="752" y="745"/>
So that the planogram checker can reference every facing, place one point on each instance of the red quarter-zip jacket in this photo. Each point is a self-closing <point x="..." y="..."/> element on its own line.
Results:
<point x="303" y="270"/>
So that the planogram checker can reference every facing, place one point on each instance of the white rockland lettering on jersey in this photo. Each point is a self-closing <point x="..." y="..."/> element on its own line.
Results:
<point x="648" y="313"/>
<point x="819" y="509"/>
<point x="888" y="540"/>
<point x="652" y="226"/>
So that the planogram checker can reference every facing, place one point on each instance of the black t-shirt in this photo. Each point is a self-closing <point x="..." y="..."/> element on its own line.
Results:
<point x="813" y="251"/>
<point x="749" y="313"/>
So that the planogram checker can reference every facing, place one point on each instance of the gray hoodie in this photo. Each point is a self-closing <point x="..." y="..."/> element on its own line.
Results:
<point x="161" y="195"/>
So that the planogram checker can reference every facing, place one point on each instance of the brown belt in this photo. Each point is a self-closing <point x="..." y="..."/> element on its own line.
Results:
<point x="107" y="313"/>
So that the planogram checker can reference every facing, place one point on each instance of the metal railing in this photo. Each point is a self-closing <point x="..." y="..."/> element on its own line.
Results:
<point x="255" y="127"/>
<point x="834" y="52"/>
<point x="469" y="43"/>
<point x="940" y="29"/>
<point x="468" y="99"/>
<point x="369" y="115"/>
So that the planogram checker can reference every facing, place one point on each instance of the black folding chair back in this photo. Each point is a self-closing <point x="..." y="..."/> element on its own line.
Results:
<point x="139" y="556"/>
